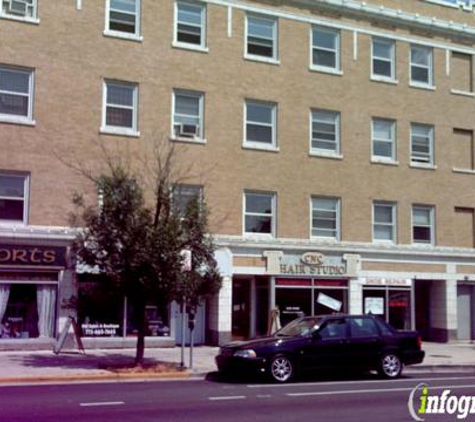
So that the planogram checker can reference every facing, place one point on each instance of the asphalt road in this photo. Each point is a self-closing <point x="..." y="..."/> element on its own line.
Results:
<point x="361" y="399"/>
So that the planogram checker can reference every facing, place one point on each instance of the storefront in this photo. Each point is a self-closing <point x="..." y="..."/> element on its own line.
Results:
<point x="30" y="279"/>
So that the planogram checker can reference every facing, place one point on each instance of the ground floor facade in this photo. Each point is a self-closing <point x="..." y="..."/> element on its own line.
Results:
<point x="431" y="290"/>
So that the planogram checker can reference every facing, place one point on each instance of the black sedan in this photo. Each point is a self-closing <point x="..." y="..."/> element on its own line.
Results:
<point x="362" y="342"/>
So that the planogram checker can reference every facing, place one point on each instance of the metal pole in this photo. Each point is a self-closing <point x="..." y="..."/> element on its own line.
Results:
<point x="182" y="363"/>
<point x="191" y="347"/>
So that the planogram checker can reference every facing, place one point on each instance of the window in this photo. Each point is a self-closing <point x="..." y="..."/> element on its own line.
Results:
<point x="13" y="198"/>
<point x="326" y="217"/>
<point x="16" y="95"/>
<point x="120" y="108"/>
<point x="423" y="224"/>
<point x="259" y="213"/>
<point x="190" y="24"/>
<point x="123" y="17"/>
<point x="260" y="125"/>
<point x="421" y="65"/>
<point x="384" y="222"/>
<point x="333" y="329"/>
<point x="325" y="48"/>
<point x="188" y="115"/>
<point x="384" y="143"/>
<point x="422" y="144"/>
<point x="325" y="132"/>
<point x="19" y="8"/>
<point x="261" y="37"/>
<point x="363" y="327"/>
<point x="383" y="59"/>
<point x="183" y="195"/>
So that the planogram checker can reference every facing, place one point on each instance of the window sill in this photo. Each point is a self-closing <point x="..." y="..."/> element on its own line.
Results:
<point x="32" y="21"/>
<point x="329" y="70"/>
<point x="325" y="239"/>
<point x="199" y="141"/>
<point x="423" y="166"/>
<point x="423" y="245"/>
<point x="422" y="86"/>
<point x="321" y="154"/>
<point x="262" y="59"/>
<point x="116" y="131"/>
<point x="388" y="162"/>
<point x="192" y="47"/>
<point x="16" y="120"/>
<point x="463" y="171"/>
<point x="258" y="236"/>
<point x="463" y="93"/>
<point x="123" y="36"/>
<point x="259" y="147"/>
<point x="383" y="242"/>
<point x="391" y="81"/>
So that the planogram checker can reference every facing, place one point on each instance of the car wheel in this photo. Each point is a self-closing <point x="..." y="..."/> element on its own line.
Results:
<point x="391" y="366"/>
<point x="282" y="369"/>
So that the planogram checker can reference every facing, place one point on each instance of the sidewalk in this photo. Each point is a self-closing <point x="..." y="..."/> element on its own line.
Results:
<point x="36" y="366"/>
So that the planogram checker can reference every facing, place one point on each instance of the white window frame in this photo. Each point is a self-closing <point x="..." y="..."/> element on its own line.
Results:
<point x="392" y="225"/>
<point x="13" y="118"/>
<point x="120" y="34"/>
<point x="378" y="158"/>
<point x="199" y="47"/>
<point x="337" y="236"/>
<point x="419" y="162"/>
<point x="392" y="45"/>
<point x="176" y="193"/>
<point x="431" y="210"/>
<point x="275" y="40"/>
<point x="430" y="67"/>
<point x="18" y="17"/>
<point x="337" y="51"/>
<point x="318" y="152"/>
<point x="273" y="197"/>
<point x="467" y="5"/>
<point x="119" y="130"/>
<point x="26" y="198"/>
<point x="192" y="94"/>
<point x="272" y="125"/>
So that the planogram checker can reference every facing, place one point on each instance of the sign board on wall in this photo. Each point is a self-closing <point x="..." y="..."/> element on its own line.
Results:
<point x="378" y="281"/>
<point x="32" y="255"/>
<point x="374" y="305"/>
<point x="312" y="264"/>
<point x="329" y="302"/>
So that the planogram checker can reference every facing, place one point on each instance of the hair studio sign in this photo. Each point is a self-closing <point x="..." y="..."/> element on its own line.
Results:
<point x="312" y="263"/>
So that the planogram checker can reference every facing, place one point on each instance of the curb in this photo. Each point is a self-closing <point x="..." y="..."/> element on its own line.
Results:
<point x="440" y="368"/>
<point x="95" y="377"/>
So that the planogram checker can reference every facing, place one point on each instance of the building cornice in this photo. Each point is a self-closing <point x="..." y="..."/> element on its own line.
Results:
<point x="362" y="10"/>
<point x="52" y="233"/>
<point x="415" y="251"/>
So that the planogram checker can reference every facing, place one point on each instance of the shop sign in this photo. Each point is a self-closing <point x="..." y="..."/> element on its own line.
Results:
<point x="329" y="302"/>
<point x="99" y="329"/>
<point x="402" y="282"/>
<point x="23" y="255"/>
<point x="374" y="305"/>
<point x="312" y="263"/>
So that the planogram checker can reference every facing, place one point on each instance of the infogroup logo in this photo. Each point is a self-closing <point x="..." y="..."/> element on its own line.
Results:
<point x="421" y="403"/>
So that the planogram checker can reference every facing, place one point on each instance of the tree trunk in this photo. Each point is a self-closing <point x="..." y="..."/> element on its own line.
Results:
<point x="139" y="355"/>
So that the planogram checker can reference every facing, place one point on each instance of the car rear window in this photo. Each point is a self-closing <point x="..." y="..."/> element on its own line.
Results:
<point x="385" y="328"/>
<point x="363" y="327"/>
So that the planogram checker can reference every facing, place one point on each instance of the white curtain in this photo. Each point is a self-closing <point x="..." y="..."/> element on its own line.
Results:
<point x="46" y="300"/>
<point x="4" y="294"/>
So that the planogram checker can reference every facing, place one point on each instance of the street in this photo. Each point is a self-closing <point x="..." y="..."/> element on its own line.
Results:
<point x="362" y="399"/>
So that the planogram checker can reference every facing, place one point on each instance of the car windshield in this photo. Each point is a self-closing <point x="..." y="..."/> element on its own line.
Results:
<point x="299" y="327"/>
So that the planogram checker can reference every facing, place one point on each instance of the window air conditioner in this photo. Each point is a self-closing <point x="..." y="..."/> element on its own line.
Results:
<point x="186" y="130"/>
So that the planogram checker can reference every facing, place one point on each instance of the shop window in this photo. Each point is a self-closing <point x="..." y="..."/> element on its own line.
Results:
<point x="27" y="310"/>
<point x="293" y="303"/>
<point x="462" y="149"/>
<point x="13" y="198"/>
<point x="461" y="70"/>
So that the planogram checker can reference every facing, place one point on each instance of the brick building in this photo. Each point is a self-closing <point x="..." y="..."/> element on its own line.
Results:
<point x="336" y="135"/>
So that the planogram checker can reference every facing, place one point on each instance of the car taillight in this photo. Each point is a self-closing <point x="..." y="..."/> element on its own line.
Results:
<point x="419" y="342"/>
